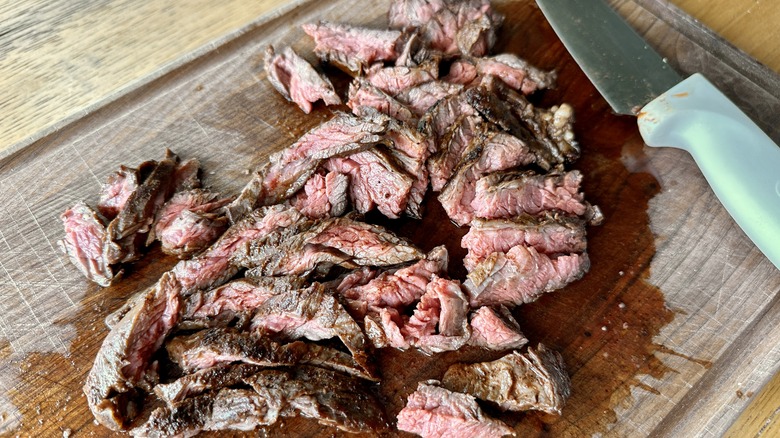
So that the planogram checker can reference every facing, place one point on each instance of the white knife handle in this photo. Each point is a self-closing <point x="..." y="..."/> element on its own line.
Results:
<point x="739" y="160"/>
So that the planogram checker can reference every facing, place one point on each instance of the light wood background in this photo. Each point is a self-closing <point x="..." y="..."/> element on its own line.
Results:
<point x="61" y="59"/>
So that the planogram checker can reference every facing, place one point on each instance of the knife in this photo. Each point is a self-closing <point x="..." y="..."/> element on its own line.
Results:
<point x="739" y="161"/>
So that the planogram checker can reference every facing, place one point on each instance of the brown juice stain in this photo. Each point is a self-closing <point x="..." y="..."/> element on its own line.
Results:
<point x="603" y="325"/>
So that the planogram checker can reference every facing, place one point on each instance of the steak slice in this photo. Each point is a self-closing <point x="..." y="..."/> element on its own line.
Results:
<point x="439" y="322"/>
<point x="396" y="289"/>
<point x="127" y="232"/>
<point x="312" y="313"/>
<point x="521" y="276"/>
<point x="190" y="221"/>
<point x="332" y="398"/>
<point x="435" y="412"/>
<point x="115" y="192"/>
<point x="297" y="80"/>
<point x="206" y="379"/>
<point x="509" y="194"/>
<point x="485" y="154"/>
<point x="462" y="136"/>
<point x="213" y="267"/>
<point x="337" y="241"/>
<point x="462" y="71"/>
<point x="323" y="196"/>
<point x="353" y="47"/>
<point x="495" y="329"/>
<point x="85" y="235"/>
<point x="549" y="234"/>
<point x="362" y="95"/>
<point x="536" y="380"/>
<point x="393" y="80"/>
<point x="121" y="364"/>
<point x="420" y="98"/>
<point x="515" y="72"/>
<point x="288" y="170"/>
<point x="227" y="408"/>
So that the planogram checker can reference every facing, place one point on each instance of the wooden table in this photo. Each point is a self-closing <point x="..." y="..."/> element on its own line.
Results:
<point x="60" y="60"/>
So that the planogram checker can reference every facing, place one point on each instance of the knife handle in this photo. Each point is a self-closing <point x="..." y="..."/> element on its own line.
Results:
<point x="740" y="162"/>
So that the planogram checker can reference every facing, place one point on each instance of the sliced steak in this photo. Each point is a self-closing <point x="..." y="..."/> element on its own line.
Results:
<point x="515" y="72"/>
<point x="462" y="71"/>
<point x="495" y="329"/>
<point x="115" y="192"/>
<point x="225" y="409"/>
<point x="121" y="364"/>
<point x="435" y="412"/>
<point x="288" y="170"/>
<point x="521" y="276"/>
<point x="312" y="313"/>
<point x="362" y="95"/>
<point x="439" y="322"/>
<point x="393" y="80"/>
<point x="85" y="235"/>
<point x="323" y="196"/>
<point x="331" y="398"/>
<point x="419" y="99"/>
<point x="187" y="175"/>
<point x="383" y="329"/>
<point x="297" y="80"/>
<point x="127" y="232"/>
<point x="353" y="47"/>
<point x="536" y="380"/>
<point x="396" y="289"/>
<point x="509" y="194"/>
<point x="213" y="267"/>
<point x="493" y="152"/>
<point x="549" y="234"/>
<point x="466" y="133"/>
<point x="190" y="221"/>
<point x="206" y="379"/>
<point x="336" y="241"/>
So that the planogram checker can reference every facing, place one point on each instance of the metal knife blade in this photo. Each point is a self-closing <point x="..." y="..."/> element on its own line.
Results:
<point x="740" y="162"/>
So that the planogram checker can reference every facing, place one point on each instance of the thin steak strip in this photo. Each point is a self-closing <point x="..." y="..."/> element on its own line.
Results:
<point x="297" y="80"/>
<point x="353" y="47"/>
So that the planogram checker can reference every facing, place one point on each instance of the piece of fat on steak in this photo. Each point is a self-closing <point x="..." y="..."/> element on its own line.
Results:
<point x="515" y="72"/>
<point x="339" y="241"/>
<point x="213" y="266"/>
<point x="190" y="221"/>
<point x="207" y="379"/>
<point x="420" y="98"/>
<point x="331" y="398"/>
<point x="396" y="289"/>
<point x="85" y="235"/>
<point x="362" y="95"/>
<point x="393" y="80"/>
<point x="435" y="412"/>
<point x="223" y="409"/>
<point x="119" y="371"/>
<point x="376" y="180"/>
<point x="548" y="233"/>
<point x="353" y="47"/>
<point x="495" y="329"/>
<point x="536" y="380"/>
<point x="521" y="275"/>
<point x="509" y="194"/>
<point x="297" y="80"/>
<point x="287" y="171"/>
<point x="323" y="195"/>
<point x="494" y="152"/>
<point x="312" y="313"/>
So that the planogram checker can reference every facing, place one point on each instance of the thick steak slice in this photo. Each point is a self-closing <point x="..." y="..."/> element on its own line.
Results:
<point x="337" y="241"/>
<point x="312" y="313"/>
<point x="515" y="72"/>
<point x="435" y="412"/>
<point x="396" y="289"/>
<point x="85" y="235"/>
<point x="115" y="192"/>
<point x="112" y="385"/>
<point x="353" y="47"/>
<point x="509" y="194"/>
<point x="393" y="80"/>
<point x="536" y="380"/>
<point x="190" y="221"/>
<point x="493" y="152"/>
<point x="207" y="379"/>
<point x="297" y="80"/>
<point x="331" y="398"/>
<point x="362" y="95"/>
<point x="213" y="267"/>
<point x="549" y="234"/>
<point x="521" y="276"/>
<point x="495" y="329"/>
<point x="323" y="196"/>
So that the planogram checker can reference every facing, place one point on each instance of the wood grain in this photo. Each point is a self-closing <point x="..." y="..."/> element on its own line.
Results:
<point x="715" y="282"/>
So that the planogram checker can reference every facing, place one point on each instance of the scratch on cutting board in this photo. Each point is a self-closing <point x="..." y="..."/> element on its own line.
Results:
<point x="81" y="157"/>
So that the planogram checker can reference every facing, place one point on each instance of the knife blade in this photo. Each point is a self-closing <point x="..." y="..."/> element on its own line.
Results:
<point x="738" y="160"/>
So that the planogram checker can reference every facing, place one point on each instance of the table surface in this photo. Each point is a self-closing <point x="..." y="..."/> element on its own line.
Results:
<point x="61" y="59"/>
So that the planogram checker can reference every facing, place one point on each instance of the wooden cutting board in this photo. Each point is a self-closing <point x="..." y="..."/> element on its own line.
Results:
<point x="673" y="328"/>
